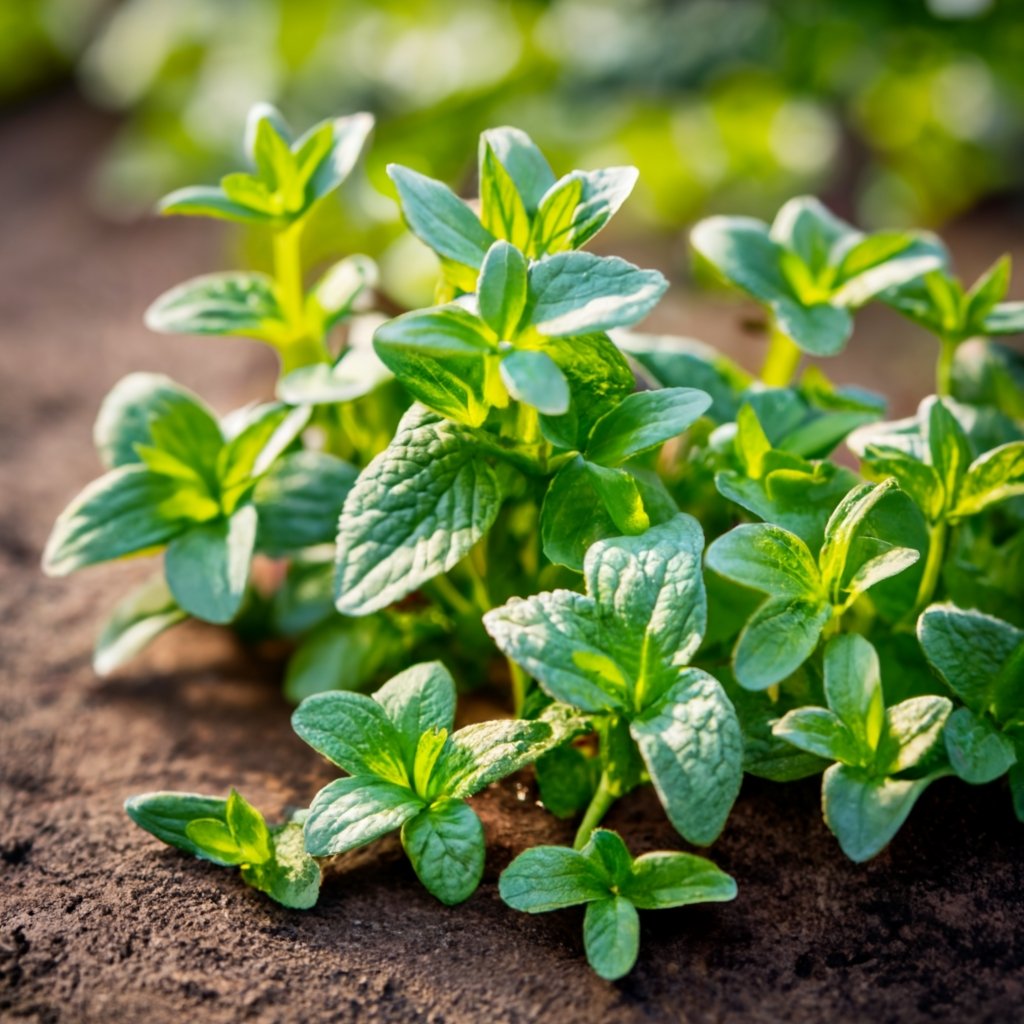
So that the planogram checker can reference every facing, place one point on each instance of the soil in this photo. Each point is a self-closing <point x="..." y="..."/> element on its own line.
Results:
<point x="99" y="922"/>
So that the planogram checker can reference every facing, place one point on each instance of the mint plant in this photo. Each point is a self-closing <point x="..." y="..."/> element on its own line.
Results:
<point x="232" y="833"/>
<point x="408" y="769"/>
<point x="614" y="886"/>
<point x="668" y="565"/>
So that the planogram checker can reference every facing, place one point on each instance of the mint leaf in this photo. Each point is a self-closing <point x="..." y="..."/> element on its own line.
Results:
<point x="611" y="936"/>
<point x="502" y="289"/>
<point x="662" y="880"/>
<point x="977" y="751"/>
<point x="136" y="621"/>
<point x="445" y="843"/>
<point x="767" y="558"/>
<point x="547" y="878"/>
<point x="478" y="755"/>
<point x="534" y="378"/>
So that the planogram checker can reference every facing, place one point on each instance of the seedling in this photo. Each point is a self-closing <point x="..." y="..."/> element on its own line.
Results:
<point x="232" y="833"/>
<point x="886" y="757"/>
<point x="409" y="770"/>
<point x="613" y="886"/>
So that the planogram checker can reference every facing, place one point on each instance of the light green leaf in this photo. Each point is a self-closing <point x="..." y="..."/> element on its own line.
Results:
<point x="842" y="528"/>
<point x="547" y="878"/>
<point x="207" y="567"/>
<point x="1006" y="318"/>
<point x="501" y="291"/>
<point x="977" y="751"/>
<point x="334" y="295"/>
<point x="166" y="815"/>
<point x="767" y="558"/>
<point x="248" y="829"/>
<point x="576" y="293"/>
<point x="440" y="356"/>
<point x="995" y="476"/>
<point x="864" y="813"/>
<point x="913" y="730"/>
<point x="266" y="433"/>
<point x="808" y="228"/>
<point x="742" y="251"/>
<point x="445" y="843"/>
<point x="602" y="194"/>
<point x="216" y="841"/>
<point x="779" y="637"/>
<point x="502" y="211"/>
<point x="347" y="139"/>
<point x="293" y="876"/>
<point x="820" y="732"/>
<point x="478" y="755"/>
<point x="129" y="510"/>
<point x="440" y="219"/>
<point x="881" y="567"/>
<point x="552" y="228"/>
<point x="611" y="936"/>
<point x="354" y="732"/>
<point x="210" y="201"/>
<point x="662" y="880"/>
<point x="853" y="689"/>
<point x="693" y="748"/>
<point x="352" y="812"/>
<point x="414" y="512"/>
<point x="534" y="378"/>
<point x="428" y="751"/>
<point x="949" y="448"/>
<point x="137" y="620"/>
<point x="523" y="161"/>
<point x="643" y="421"/>
<point x="420" y="699"/>
<point x="620" y="497"/>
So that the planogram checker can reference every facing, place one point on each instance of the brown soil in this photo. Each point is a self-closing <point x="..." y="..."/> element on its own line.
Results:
<point x="98" y="922"/>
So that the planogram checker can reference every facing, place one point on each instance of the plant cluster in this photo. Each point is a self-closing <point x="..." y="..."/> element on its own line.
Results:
<point x="684" y="583"/>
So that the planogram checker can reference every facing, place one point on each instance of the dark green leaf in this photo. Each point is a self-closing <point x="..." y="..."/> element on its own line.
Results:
<point x="611" y="936"/>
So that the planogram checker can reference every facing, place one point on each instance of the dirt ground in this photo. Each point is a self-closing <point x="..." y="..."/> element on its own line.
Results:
<point x="100" y="923"/>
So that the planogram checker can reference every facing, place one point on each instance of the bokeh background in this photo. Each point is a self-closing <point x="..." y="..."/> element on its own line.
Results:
<point x="895" y="112"/>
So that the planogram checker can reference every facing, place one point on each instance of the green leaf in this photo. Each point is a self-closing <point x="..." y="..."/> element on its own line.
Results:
<point x="414" y="512"/>
<point x="440" y="219"/>
<point x="501" y="292"/>
<point x="602" y="194"/>
<point x="995" y="476"/>
<point x="643" y="421"/>
<point x="354" y="732"/>
<point x="611" y="936"/>
<point x="421" y="699"/>
<point x="864" y="813"/>
<point x="136" y="621"/>
<point x="566" y="778"/>
<point x="820" y="732"/>
<point x="1006" y="318"/>
<point x="919" y="480"/>
<point x="913" y="732"/>
<point x="128" y="511"/>
<point x="805" y="226"/>
<point x="853" y="688"/>
<point x="552" y="228"/>
<point x="610" y="855"/>
<point x="987" y="291"/>
<point x="779" y="637"/>
<point x="216" y="842"/>
<point x="440" y="356"/>
<point x="742" y="251"/>
<point x="248" y="829"/>
<point x="352" y="812"/>
<point x="299" y="501"/>
<point x="207" y="567"/>
<point x="693" y="748"/>
<point x="334" y="295"/>
<point x="140" y="399"/>
<point x="236" y="303"/>
<point x="357" y="372"/>
<point x="767" y="558"/>
<point x="502" y="211"/>
<point x="266" y="432"/>
<point x="819" y="329"/>
<point x="293" y="876"/>
<point x="545" y="878"/>
<point x="428" y="751"/>
<point x="576" y="293"/>
<point x="445" y="843"/>
<point x="967" y="649"/>
<point x="210" y="201"/>
<point x="663" y="880"/>
<point x="478" y="755"/>
<point x="523" y="161"/>
<point x="620" y="497"/>
<point x="881" y="262"/>
<point x="842" y="528"/>
<point x="348" y="136"/>
<point x="977" y="751"/>
<point x="949" y="448"/>
<point x="534" y="378"/>
<point x="166" y="815"/>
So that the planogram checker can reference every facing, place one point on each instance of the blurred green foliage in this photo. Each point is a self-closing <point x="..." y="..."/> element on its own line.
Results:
<point x="905" y="111"/>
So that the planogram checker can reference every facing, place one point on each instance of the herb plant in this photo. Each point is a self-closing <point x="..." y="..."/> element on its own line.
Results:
<point x="664" y="565"/>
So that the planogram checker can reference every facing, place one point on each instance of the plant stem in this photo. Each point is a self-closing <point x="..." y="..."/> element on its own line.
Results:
<point x="596" y="810"/>
<point x="520" y="683"/>
<point x="944" y="366"/>
<point x="300" y="349"/>
<point x="447" y="590"/>
<point x="782" y="360"/>
<point x="932" y="566"/>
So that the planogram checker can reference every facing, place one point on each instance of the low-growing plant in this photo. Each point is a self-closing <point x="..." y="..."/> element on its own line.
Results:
<point x="687" y="584"/>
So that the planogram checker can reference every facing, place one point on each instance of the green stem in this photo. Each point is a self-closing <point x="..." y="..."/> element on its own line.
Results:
<point x="599" y="806"/>
<point x="782" y="360"/>
<point x="300" y="349"/>
<point x="944" y="366"/>
<point x="933" y="565"/>
<point x="450" y="593"/>
<point x="520" y="684"/>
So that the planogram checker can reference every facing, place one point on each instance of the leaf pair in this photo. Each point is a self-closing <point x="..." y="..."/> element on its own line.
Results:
<point x="233" y="833"/>
<point x="865" y="795"/>
<point x="290" y="175"/>
<point x="465" y="358"/>
<point x="931" y="456"/>
<point x="177" y="479"/>
<point x="805" y="593"/>
<point x="939" y="303"/>
<point x="613" y="885"/>
<point x="810" y="269"/>
<point x="520" y="202"/>
<point x="981" y="659"/>
<point x="620" y="654"/>
<point x="409" y="770"/>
